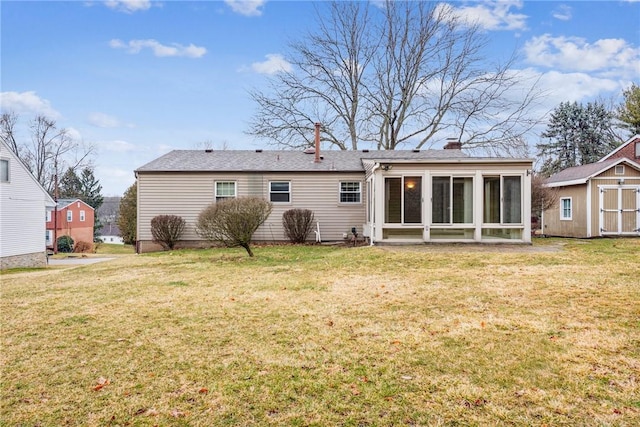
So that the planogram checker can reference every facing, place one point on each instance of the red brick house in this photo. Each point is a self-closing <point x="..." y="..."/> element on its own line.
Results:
<point x="75" y="218"/>
<point x="629" y="150"/>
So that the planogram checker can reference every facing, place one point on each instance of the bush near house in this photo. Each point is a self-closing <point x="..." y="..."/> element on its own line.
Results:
<point x="83" y="247"/>
<point x="167" y="230"/>
<point x="65" y="244"/>
<point x="297" y="224"/>
<point x="233" y="222"/>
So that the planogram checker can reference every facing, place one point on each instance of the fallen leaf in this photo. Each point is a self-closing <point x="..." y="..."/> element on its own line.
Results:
<point x="101" y="383"/>
<point x="354" y="390"/>
<point x="203" y="391"/>
<point x="330" y="323"/>
<point x="482" y="324"/>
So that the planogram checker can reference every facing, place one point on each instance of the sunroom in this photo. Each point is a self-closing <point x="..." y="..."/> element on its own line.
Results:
<point x="467" y="200"/>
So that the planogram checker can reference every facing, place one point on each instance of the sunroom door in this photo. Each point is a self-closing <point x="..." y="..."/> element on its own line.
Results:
<point x="403" y="200"/>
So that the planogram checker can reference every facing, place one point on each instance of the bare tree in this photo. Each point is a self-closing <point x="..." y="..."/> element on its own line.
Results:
<point x="407" y="74"/>
<point x="50" y="149"/>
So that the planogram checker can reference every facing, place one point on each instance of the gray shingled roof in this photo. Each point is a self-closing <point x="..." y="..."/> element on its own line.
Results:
<point x="283" y="161"/>
<point x="582" y="173"/>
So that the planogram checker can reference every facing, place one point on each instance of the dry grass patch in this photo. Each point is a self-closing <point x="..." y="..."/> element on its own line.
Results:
<point x="313" y="335"/>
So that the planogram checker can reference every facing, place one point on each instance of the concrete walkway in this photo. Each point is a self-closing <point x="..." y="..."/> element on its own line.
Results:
<point x="76" y="261"/>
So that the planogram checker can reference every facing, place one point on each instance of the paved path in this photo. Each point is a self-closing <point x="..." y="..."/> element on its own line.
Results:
<point x="76" y="261"/>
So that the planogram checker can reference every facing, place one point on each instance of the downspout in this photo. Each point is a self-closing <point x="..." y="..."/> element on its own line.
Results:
<point x="372" y="204"/>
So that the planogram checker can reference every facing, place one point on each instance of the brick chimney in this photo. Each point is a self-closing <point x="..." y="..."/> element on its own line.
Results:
<point x="453" y="144"/>
<point x="317" y="159"/>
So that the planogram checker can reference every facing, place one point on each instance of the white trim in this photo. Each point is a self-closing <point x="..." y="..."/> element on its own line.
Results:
<point x="83" y="216"/>
<point x="615" y="170"/>
<point x="281" y="192"/>
<point x="598" y="172"/>
<point x="562" y="216"/>
<point x="69" y="216"/>
<point x="589" y="209"/>
<point x="620" y="147"/>
<point x="230" y="181"/>
<point x="359" y="192"/>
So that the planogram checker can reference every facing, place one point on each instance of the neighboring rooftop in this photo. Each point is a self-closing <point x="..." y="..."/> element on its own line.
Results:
<point x="288" y="161"/>
<point x="580" y="174"/>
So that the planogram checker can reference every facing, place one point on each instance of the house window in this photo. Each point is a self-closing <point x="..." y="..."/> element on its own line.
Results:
<point x="452" y="200"/>
<point x="48" y="216"/>
<point x="48" y="237"/>
<point x="69" y="216"/>
<point x="225" y="190"/>
<point x="4" y="170"/>
<point x="350" y="192"/>
<point x="280" y="191"/>
<point x="637" y="149"/>
<point x="619" y="169"/>
<point x="502" y="200"/>
<point x="566" y="208"/>
<point x="82" y="216"/>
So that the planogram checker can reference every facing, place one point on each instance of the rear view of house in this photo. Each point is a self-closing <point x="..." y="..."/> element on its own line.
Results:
<point x="24" y="203"/>
<point x="400" y="196"/>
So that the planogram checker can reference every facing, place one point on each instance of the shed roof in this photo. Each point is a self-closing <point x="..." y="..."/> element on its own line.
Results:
<point x="580" y="174"/>
<point x="291" y="161"/>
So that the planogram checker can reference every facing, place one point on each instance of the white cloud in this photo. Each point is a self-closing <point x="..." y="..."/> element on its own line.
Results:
<point x="246" y="7"/>
<point x="491" y="15"/>
<point x="73" y="133"/>
<point x="609" y="56"/>
<point x="158" y="49"/>
<point x="102" y="120"/>
<point x="275" y="63"/>
<point x="128" y="6"/>
<point x="562" y="12"/>
<point x="27" y="102"/>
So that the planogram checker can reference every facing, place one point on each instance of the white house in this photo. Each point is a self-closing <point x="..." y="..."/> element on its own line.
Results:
<point x="23" y="209"/>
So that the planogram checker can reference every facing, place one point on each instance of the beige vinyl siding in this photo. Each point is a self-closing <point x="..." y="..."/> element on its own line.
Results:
<point x="318" y="192"/>
<point x="186" y="194"/>
<point x="577" y="226"/>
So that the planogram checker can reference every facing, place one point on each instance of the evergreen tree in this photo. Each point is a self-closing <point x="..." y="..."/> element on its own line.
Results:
<point x="578" y="135"/>
<point x="127" y="218"/>
<point x="70" y="186"/>
<point x="629" y="111"/>
<point x="90" y="189"/>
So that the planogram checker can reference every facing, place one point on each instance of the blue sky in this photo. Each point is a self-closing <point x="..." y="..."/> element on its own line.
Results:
<point x="139" y="78"/>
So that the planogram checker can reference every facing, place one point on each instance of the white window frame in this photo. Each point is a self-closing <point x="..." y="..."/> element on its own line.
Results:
<point x="619" y="170"/>
<point x="69" y="215"/>
<point x="8" y="171"/>
<point x="348" y="192"/>
<point x="271" y="192"/>
<point x="563" y="216"/>
<point x="220" y="197"/>
<point x="638" y="149"/>
<point x="83" y="216"/>
<point x="48" y="237"/>
<point x="48" y="216"/>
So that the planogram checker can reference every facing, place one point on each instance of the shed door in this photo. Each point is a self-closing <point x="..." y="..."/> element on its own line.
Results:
<point x="619" y="210"/>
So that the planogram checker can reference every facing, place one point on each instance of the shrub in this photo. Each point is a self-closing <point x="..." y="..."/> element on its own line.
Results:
<point x="65" y="244"/>
<point x="297" y="224"/>
<point x="233" y="221"/>
<point x="83" y="247"/>
<point x="167" y="229"/>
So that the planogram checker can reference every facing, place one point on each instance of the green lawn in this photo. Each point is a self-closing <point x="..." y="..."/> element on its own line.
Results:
<point x="547" y="334"/>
